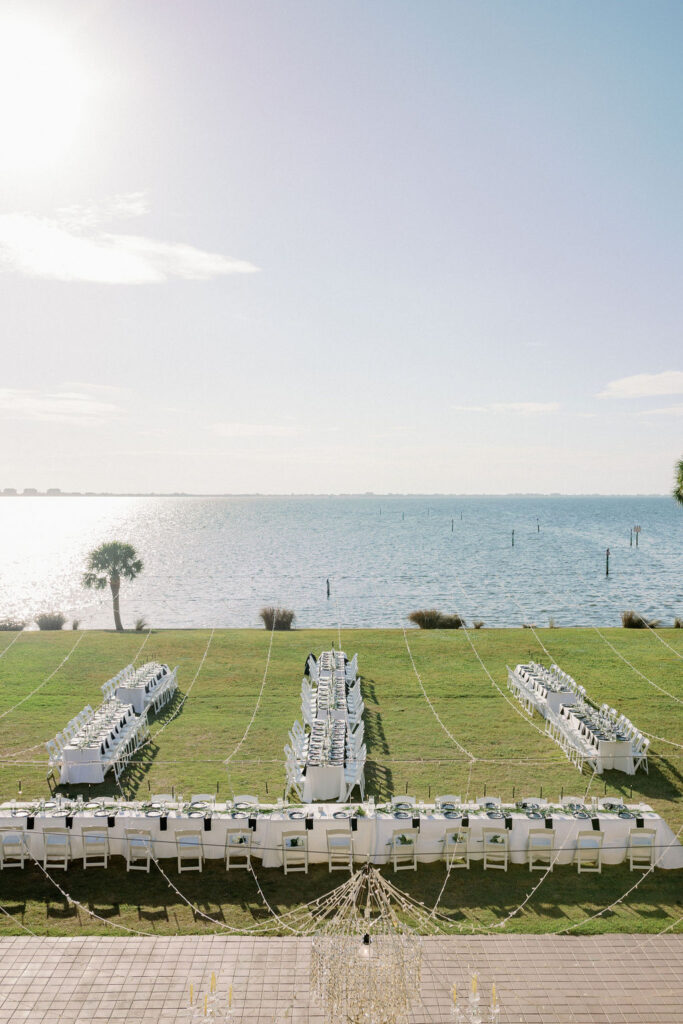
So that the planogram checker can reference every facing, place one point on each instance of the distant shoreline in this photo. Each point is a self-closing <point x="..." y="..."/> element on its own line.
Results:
<point x="341" y="494"/>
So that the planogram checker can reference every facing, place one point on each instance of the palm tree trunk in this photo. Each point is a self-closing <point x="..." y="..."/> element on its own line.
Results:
<point x="115" y="584"/>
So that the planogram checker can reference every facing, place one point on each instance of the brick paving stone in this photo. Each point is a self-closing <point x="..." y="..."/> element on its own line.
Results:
<point x="620" y="979"/>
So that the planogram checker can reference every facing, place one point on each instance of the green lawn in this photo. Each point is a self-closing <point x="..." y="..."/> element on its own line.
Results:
<point x="407" y="748"/>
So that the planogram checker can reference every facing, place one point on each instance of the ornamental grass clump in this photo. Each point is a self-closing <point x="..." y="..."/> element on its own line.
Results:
<point x="431" y="618"/>
<point x="632" y="620"/>
<point x="277" y="618"/>
<point x="50" y="620"/>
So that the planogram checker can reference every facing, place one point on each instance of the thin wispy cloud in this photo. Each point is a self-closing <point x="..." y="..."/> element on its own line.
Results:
<point x="71" y="246"/>
<point x="77" y="408"/>
<point x="669" y="410"/>
<point x="252" y="430"/>
<point x="520" y="408"/>
<point x="645" y="385"/>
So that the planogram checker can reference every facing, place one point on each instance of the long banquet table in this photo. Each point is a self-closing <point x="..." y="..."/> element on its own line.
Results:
<point x="372" y="832"/>
<point x="614" y="753"/>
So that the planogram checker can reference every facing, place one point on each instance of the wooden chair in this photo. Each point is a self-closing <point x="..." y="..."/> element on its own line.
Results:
<point x="456" y="847"/>
<point x="139" y="847"/>
<point x="449" y="798"/>
<point x="189" y="849"/>
<point x="295" y="851"/>
<point x="95" y="846"/>
<point x="238" y="848"/>
<point x="339" y="849"/>
<point x="641" y="848"/>
<point x="540" y="848"/>
<point x="588" y="853"/>
<point x="404" y="849"/>
<point x="56" y="848"/>
<point x="496" y="849"/>
<point x="13" y="848"/>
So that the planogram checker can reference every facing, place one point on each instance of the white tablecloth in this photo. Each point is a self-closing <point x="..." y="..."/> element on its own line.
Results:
<point x="134" y="695"/>
<point x="82" y="764"/>
<point x="613" y="754"/>
<point x="370" y="841"/>
<point x="324" y="782"/>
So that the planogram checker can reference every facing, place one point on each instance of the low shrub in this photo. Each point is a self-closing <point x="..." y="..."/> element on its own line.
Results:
<point x="431" y="618"/>
<point x="75" y="624"/>
<point x="551" y="623"/>
<point x="141" y="624"/>
<point x="632" y="620"/>
<point x="528" y="625"/>
<point x="277" y="618"/>
<point x="50" y="620"/>
<point x="478" y="624"/>
<point x="678" y="623"/>
<point x="11" y="625"/>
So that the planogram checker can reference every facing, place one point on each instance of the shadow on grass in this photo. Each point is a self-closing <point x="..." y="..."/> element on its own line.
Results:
<point x="655" y="785"/>
<point x="470" y="898"/>
<point x="62" y="911"/>
<point x="379" y="780"/>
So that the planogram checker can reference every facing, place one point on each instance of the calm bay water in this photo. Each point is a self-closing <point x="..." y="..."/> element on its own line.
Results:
<point x="217" y="561"/>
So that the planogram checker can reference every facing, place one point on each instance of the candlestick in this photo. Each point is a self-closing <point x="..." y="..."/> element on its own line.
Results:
<point x="230" y="997"/>
<point x="455" y="995"/>
<point x="191" y="991"/>
<point x="205" y="999"/>
<point x="474" y="984"/>
<point x="493" y="994"/>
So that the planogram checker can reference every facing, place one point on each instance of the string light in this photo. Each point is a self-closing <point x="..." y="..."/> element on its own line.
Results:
<point x="45" y="681"/>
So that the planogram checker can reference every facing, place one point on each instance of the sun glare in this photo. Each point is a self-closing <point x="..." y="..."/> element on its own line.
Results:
<point x="42" y="95"/>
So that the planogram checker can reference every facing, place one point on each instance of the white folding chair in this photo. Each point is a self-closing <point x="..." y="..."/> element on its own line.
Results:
<point x="540" y="849"/>
<point x="448" y="799"/>
<point x="456" y="847"/>
<point x="578" y="800"/>
<point x="488" y="801"/>
<point x="238" y="848"/>
<point x="588" y="853"/>
<point x="139" y="849"/>
<point x="204" y="798"/>
<point x="95" y="842"/>
<point x="295" y="851"/>
<point x="250" y="801"/>
<point x="410" y="800"/>
<point x="404" y="849"/>
<point x="640" y="759"/>
<point x="54" y="754"/>
<point x="189" y="849"/>
<point x="496" y="849"/>
<point x="56" y="848"/>
<point x="641" y="848"/>
<point x="339" y="849"/>
<point x="13" y="848"/>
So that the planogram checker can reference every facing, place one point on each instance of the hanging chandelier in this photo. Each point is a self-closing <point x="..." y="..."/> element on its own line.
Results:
<point x="365" y="962"/>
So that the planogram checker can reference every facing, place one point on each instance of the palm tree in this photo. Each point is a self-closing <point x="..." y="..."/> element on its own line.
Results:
<point x="678" y="489"/>
<point x="109" y="564"/>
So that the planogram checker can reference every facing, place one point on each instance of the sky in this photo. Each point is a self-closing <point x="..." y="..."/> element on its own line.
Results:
<point x="341" y="246"/>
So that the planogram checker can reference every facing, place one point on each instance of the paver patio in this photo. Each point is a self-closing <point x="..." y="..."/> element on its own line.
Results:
<point x="613" y="979"/>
